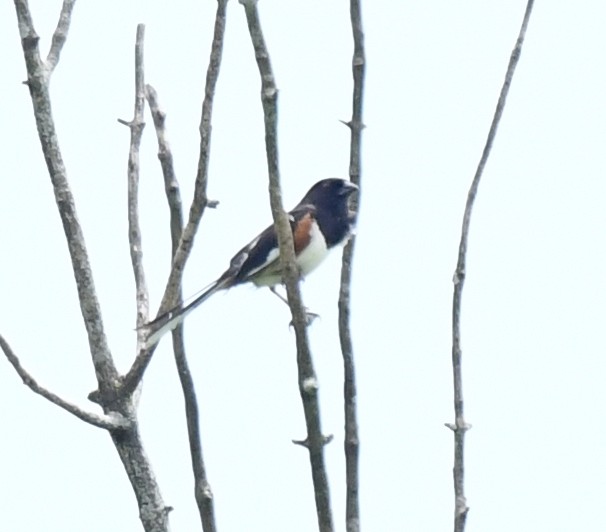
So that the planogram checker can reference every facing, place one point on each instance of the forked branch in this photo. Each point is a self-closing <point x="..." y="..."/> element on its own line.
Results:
<point x="38" y="78"/>
<point x="199" y="202"/>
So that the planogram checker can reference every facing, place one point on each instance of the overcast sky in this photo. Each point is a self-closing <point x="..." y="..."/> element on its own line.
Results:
<point x="534" y="309"/>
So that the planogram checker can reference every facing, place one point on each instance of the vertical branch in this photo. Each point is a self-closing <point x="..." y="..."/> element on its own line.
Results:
<point x="308" y="384"/>
<point x="460" y="427"/>
<point x="38" y="78"/>
<point x="202" y="490"/>
<point x="351" y="443"/>
<point x="199" y="203"/>
<point x="153" y="513"/>
<point x="134" y="230"/>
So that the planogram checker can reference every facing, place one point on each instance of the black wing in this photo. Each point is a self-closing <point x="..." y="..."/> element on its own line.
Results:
<point x="262" y="252"/>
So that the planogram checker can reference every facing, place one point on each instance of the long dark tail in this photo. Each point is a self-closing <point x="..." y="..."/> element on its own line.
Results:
<point x="166" y="322"/>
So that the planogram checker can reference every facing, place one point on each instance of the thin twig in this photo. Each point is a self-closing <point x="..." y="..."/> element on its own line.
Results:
<point x="165" y="156"/>
<point x="113" y="421"/>
<point x="199" y="203"/>
<point x="200" y="200"/>
<point x="202" y="490"/>
<point x="308" y="384"/>
<point x="352" y="443"/>
<point x="460" y="427"/>
<point x="134" y="229"/>
<point x="60" y="35"/>
<point x="38" y="83"/>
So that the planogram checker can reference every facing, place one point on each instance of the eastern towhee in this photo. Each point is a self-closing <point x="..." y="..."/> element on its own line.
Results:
<point x="321" y="221"/>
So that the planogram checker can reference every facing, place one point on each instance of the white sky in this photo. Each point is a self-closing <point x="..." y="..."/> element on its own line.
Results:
<point x="534" y="303"/>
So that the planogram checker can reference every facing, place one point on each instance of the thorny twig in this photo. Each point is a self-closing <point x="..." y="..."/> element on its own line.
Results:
<point x="460" y="427"/>
<point x="351" y="443"/>
<point x="308" y="384"/>
<point x="134" y="229"/>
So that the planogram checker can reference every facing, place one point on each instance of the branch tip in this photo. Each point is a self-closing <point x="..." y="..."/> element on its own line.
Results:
<point x="133" y="176"/>
<point x="459" y="428"/>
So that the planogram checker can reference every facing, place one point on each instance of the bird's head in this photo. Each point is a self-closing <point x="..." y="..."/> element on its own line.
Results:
<point x="330" y="192"/>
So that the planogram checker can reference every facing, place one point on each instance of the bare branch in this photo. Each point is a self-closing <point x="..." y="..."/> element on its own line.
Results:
<point x="134" y="230"/>
<point x="37" y="81"/>
<point x="352" y="443"/>
<point x="460" y="427"/>
<point x="113" y="421"/>
<point x="153" y="513"/>
<point x="199" y="203"/>
<point x="202" y="490"/>
<point x="60" y="35"/>
<point x="171" y="185"/>
<point x="152" y="510"/>
<point x="29" y="37"/>
<point x="308" y="385"/>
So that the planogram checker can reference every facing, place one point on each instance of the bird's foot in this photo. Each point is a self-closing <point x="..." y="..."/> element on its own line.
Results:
<point x="309" y="318"/>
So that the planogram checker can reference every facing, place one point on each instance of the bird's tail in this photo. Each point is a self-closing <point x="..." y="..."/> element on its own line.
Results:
<point x="166" y="322"/>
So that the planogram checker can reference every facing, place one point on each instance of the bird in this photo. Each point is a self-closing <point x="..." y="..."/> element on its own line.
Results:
<point x="321" y="221"/>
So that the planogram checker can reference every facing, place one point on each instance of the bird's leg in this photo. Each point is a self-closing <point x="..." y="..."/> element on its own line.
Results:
<point x="274" y="291"/>
<point x="310" y="316"/>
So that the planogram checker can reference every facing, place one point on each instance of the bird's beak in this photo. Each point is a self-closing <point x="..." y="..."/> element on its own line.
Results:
<point x="349" y="188"/>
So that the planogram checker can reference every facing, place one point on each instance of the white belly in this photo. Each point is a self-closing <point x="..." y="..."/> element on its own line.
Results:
<point x="314" y="253"/>
<point x="307" y="260"/>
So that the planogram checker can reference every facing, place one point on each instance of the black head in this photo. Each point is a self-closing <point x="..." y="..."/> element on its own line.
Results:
<point x="330" y="200"/>
<point x="330" y="192"/>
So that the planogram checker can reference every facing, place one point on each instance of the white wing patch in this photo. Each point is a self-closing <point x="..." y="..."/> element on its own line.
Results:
<point x="315" y="252"/>
<point x="272" y="256"/>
